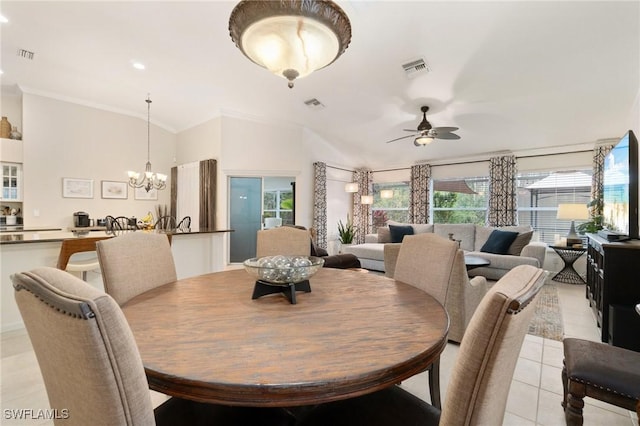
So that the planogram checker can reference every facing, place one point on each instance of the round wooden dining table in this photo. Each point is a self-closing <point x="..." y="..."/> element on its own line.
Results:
<point x="205" y="339"/>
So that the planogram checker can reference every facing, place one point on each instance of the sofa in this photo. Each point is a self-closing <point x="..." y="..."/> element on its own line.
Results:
<point x="471" y="238"/>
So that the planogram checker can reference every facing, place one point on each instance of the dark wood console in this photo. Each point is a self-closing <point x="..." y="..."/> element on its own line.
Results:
<point x="613" y="289"/>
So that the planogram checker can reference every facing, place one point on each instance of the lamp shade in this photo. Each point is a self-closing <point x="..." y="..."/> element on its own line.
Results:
<point x="386" y="193"/>
<point x="572" y="212"/>
<point x="366" y="199"/>
<point x="290" y="38"/>
<point x="351" y="187"/>
<point x="423" y="140"/>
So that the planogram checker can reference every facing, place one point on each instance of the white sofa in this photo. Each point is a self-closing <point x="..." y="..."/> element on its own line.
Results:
<point x="471" y="237"/>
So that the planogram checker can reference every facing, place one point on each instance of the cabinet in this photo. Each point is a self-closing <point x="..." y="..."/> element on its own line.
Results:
<point x="11" y="182"/>
<point x="613" y="289"/>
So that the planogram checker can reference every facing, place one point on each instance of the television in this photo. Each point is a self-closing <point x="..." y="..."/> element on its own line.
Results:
<point x="620" y="190"/>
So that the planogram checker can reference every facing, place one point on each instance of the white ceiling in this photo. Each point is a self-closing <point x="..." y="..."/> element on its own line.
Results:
<point x="512" y="75"/>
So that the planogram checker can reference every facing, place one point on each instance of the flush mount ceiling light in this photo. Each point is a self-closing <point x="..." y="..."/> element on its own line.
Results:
<point x="423" y="139"/>
<point x="290" y="38"/>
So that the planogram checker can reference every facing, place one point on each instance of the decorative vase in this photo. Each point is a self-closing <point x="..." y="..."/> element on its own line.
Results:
<point x="15" y="134"/>
<point x="5" y="128"/>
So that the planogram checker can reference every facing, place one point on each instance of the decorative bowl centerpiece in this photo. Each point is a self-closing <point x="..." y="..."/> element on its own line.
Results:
<point x="283" y="270"/>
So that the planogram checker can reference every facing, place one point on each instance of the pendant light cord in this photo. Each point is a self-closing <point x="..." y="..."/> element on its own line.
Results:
<point x="148" y="128"/>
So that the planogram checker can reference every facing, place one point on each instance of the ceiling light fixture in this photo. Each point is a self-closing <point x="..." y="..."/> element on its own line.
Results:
<point x="149" y="180"/>
<point x="386" y="193"/>
<point x="290" y="38"/>
<point x="422" y="140"/>
<point x="366" y="199"/>
<point x="351" y="187"/>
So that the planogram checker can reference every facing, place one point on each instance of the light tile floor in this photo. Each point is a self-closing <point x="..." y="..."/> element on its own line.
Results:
<point x="534" y="398"/>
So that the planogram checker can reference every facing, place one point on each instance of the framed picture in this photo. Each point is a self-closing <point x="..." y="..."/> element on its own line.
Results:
<point x="115" y="190"/>
<point x="77" y="188"/>
<point x="142" y="194"/>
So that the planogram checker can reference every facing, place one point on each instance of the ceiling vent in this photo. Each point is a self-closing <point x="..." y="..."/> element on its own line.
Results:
<point x="415" y="67"/>
<point x="25" y="54"/>
<point x="314" y="104"/>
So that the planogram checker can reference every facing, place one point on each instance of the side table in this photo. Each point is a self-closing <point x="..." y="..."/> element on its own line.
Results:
<point x="569" y="255"/>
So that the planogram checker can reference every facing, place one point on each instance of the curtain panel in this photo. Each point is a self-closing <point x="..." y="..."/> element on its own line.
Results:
<point x="503" y="201"/>
<point x="600" y="152"/>
<point x="419" y="190"/>
<point x="320" y="203"/>
<point x="208" y="189"/>
<point x="362" y="219"/>
<point x="174" y="191"/>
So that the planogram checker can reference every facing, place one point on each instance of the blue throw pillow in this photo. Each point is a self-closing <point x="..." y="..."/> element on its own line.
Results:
<point x="398" y="232"/>
<point x="499" y="242"/>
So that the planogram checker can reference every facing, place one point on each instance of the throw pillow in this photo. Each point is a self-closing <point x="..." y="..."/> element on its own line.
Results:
<point x="398" y="232"/>
<point x="499" y="242"/>
<point x="518" y="244"/>
<point x="384" y="236"/>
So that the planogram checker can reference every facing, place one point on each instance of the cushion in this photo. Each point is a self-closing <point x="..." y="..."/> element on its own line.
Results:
<point x="384" y="236"/>
<point x="499" y="242"/>
<point x="421" y="228"/>
<point x="518" y="244"/>
<point x="398" y="232"/>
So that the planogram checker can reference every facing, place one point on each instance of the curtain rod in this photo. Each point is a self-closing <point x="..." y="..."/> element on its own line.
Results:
<point x="470" y="161"/>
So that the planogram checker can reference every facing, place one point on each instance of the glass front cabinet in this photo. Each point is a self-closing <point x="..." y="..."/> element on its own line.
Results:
<point x="11" y="182"/>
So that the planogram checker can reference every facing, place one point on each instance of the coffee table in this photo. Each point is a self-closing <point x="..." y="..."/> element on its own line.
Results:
<point x="475" y="262"/>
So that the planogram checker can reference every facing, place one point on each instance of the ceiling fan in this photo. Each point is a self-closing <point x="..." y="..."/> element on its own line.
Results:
<point x="425" y="133"/>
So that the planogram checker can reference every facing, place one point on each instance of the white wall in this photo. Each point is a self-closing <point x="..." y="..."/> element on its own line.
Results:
<point x="63" y="139"/>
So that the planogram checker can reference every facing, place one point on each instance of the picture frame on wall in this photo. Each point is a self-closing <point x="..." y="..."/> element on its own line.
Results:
<point x="77" y="188"/>
<point x="114" y="190"/>
<point x="142" y="194"/>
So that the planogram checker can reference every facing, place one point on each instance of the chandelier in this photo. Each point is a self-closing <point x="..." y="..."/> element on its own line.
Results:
<point x="149" y="180"/>
<point x="290" y="38"/>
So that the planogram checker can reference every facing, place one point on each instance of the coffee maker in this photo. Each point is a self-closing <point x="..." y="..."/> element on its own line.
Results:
<point x="81" y="219"/>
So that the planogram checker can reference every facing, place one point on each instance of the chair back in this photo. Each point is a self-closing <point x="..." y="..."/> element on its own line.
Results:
<point x="87" y="354"/>
<point x="426" y="261"/>
<point x="134" y="263"/>
<point x="285" y="240"/>
<point x="185" y="224"/>
<point x="166" y="223"/>
<point x="481" y="377"/>
<point x="119" y="225"/>
<point x="72" y="246"/>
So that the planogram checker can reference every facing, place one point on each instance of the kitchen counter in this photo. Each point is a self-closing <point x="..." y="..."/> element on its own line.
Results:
<point x="20" y="228"/>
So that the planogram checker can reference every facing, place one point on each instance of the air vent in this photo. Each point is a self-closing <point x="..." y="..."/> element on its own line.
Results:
<point x="314" y="104"/>
<point x="416" y="67"/>
<point x="25" y="54"/>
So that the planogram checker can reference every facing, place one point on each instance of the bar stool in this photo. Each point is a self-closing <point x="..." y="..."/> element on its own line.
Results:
<point x="72" y="246"/>
<point x="608" y="373"/>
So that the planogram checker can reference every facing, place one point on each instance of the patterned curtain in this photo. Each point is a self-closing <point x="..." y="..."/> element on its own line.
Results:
<point x="174" y="191"/>
<point x="503" y="201"/>
<point x="320" y="203"/>
<point x="208" y="186"/>
<point x="362" y="219"/>
<point x="600" y="152"/>
<point x="419" y="190"/>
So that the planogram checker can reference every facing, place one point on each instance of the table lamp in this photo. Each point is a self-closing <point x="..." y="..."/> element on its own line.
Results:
<point x="573" y="212"/>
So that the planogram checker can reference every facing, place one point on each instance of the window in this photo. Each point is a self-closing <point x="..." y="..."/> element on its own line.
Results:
<point x="460" y="200"/>
<point x="539" y="194"/>
<point x="395" y="208"/>
<point x="279" y="203"/>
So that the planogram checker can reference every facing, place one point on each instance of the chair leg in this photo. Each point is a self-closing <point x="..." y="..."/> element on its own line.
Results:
<point x="434" y="383"/>
<point x="564" y="386"/>
<point x="574" y="404"/>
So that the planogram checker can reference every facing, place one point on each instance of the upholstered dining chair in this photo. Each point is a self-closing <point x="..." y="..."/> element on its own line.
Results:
<point x="90" y="364"/>
<point x="72" y="246"/>
<point x="284" y="240"/>
<point x="134" y="263"/>
<point x="436" y="265"/>
<point x="480" y="379"/>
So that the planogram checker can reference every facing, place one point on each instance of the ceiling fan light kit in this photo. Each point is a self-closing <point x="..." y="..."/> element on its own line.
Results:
<point x="290" y="38"/>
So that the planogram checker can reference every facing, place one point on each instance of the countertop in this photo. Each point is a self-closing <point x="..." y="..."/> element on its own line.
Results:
<point x="48" y="236"/>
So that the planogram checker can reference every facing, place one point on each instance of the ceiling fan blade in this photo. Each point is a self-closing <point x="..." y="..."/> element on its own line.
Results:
<point x="403" y="137"/>
<point x="445" y="129"/>
<point x="446" y="136"/>
<point x="410" y="130"/>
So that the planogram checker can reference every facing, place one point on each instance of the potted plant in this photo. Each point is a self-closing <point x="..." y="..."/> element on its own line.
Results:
<point x="346" y="232"/>
<point x="595" y="223"/>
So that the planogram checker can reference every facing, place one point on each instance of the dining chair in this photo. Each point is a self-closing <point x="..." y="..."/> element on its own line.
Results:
<point x="134" y="263"/>
<point x="285" y="240"/>
<point x="185" y="224"/>
<point x="92" y="370"/>
<point x="436" y="266"/>
<point x="72" y="246"/>
<point x="480" y="379"/>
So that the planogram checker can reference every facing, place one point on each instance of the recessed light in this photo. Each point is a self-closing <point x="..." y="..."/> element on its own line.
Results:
<point x="3" y="19"/>
<point x="138" y="65"/>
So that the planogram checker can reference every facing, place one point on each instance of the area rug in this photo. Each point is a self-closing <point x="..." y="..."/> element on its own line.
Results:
<point x="547" y="320"/>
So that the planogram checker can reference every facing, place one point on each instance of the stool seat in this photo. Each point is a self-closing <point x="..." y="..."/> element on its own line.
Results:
<point x="607" y="373"/>
<point x="83" y="265"/>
